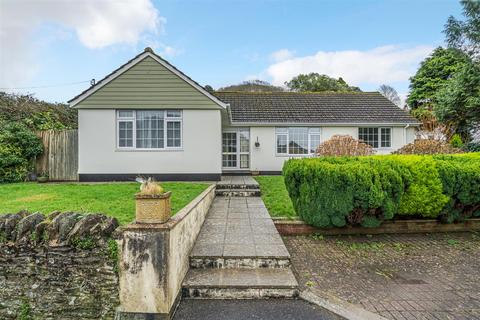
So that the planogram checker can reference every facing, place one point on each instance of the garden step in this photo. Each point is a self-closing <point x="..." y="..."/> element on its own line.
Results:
<point x="239" y="262"/>
<point x="238" y="192"/>
<point x="237" y="186"/>
<point x="239" y="284"/>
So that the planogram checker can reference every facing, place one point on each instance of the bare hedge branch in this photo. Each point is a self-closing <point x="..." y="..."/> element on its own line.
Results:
<point x="344" y="145"/>
<point x="424" y="146"/>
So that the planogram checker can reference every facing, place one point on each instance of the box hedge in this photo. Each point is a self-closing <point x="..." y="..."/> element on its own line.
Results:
<point x="336" y="191"/>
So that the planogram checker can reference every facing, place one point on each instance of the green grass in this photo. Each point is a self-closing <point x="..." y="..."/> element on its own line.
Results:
<point x="275" y="196"/>
<point x="114" y="199"/>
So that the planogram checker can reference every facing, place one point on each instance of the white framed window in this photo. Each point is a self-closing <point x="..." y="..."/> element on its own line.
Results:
<point x="376" y="137"/>
<point x="125" y="124"/>
<point x="385" y="137"/>
<point x="296" y="141"/>
<point x="149" y="129"/>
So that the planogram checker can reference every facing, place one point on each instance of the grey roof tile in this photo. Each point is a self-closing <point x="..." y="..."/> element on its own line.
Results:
<point x="294" y="107"/>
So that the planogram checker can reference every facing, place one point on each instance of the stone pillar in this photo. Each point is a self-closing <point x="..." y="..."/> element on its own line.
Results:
<point x="143" y="273"/>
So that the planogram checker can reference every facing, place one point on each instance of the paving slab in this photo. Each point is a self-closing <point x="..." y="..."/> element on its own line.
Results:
<point x="239" y="250"/>
<point x="242" y="227"/>
<point x="237" y="180"/>
<point x="240" y="278"/>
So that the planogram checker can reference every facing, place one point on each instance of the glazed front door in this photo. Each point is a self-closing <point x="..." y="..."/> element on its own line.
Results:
<point x="236" y="149"/>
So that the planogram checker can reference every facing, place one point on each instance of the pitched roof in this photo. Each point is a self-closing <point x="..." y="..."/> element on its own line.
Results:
<point x="148" y="52"/>
<point x="294" y="107"/>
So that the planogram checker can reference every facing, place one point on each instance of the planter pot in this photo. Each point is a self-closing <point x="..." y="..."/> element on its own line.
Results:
<point x="152" y="208"/>
<point x="42" y="179"/>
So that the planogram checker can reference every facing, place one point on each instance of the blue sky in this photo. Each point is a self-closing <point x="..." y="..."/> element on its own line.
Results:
<point x="51" y="44"/>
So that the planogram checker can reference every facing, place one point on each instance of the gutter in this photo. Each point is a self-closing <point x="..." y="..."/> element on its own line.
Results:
<point x="322" y="124"/>
<point x="405" y="133"/>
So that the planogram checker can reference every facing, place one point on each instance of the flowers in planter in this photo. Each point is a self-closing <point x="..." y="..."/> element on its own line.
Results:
<point x="149" y="186"/>
<point x="152" y="202"/>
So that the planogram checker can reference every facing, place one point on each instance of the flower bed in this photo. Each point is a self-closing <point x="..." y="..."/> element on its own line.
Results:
<point x="336" y="191"/>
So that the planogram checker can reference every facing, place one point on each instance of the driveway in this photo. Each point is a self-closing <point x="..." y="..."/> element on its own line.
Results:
<point x="404" y="276"/>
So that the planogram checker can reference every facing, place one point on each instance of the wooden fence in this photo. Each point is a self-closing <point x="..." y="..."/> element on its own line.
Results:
<point x="60" y="155"/>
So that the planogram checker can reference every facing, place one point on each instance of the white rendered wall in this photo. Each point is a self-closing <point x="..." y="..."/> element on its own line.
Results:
<point x="98" y="153"/>
<point x="264" y="158"/>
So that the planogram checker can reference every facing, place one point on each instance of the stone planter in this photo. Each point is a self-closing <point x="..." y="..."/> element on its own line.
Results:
<point x="152" y="208"/>
<point x="42" y="179"/>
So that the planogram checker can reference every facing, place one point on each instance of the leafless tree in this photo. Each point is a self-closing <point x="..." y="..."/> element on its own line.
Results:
<point x="390" y="93"/>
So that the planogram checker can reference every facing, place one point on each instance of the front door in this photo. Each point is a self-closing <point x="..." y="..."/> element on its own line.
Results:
<point x="236" y="149"/>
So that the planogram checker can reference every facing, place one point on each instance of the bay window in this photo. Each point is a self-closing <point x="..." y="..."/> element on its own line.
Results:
<point x="149" y="129"/>
<point x="297" y="140"/>
<point x="376" y="137"/>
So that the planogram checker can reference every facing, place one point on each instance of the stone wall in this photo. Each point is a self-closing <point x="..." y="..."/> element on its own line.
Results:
<point x="155" y="259"/>
<point x="183" y="235"/>
<point x="60" y="266"/>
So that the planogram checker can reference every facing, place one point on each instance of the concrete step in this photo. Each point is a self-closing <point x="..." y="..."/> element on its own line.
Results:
<point x="240" y="284"/>
<point x="239" y="262"/>
<point x="238" y="192"/>
<point x="222" y="186"/>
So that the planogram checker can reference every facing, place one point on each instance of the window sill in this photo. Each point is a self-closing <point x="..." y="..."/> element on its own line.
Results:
<point x="279" y="155"/>
<point x="149" y="150"/>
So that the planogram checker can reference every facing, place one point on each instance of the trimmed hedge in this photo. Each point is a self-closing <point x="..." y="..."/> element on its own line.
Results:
<point x="336" y="191"/>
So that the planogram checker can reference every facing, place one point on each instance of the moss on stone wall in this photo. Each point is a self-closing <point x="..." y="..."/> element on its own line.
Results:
<point x="60" y="266"/>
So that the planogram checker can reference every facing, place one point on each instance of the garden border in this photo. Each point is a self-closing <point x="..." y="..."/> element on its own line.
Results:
<point x="297" y="227"/>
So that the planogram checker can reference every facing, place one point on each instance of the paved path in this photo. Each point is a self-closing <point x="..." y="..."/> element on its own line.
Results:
<point x="237" y="180"/>
<point x="415" y="276"/>
<point x="273" y="309"/>
<point x="239" y="254"/>
<point x="239" y="227"/>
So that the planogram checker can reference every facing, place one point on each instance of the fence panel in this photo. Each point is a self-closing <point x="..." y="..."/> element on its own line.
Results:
<point x="60" y="156"/>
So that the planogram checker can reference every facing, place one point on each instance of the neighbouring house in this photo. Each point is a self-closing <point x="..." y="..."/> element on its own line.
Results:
<point x="149" y="118"/>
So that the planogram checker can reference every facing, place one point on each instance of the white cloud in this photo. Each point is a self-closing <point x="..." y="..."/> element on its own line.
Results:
<point x="161" y="48"/>
<point x="282" y="55"/>
<point x="387" y="64"/>
<point x="96" y="23"/>
<point x="168" y="51"/>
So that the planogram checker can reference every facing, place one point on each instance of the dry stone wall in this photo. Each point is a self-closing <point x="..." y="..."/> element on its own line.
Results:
<point x="60" y="266"/>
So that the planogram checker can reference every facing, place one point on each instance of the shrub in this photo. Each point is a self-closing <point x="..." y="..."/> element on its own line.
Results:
<point x="456" y="141"/>
<point x="472" y="147"/>
<point x="423" y="187"/>
<point x="36" y="114"/>
<point x="12" y="166"/>
<point x="460" y="177"/>
<point x="335" y="191"/>
<point x="18" y="147"/>
<point x="425" y="146"/>
<point x="344" y="145"/>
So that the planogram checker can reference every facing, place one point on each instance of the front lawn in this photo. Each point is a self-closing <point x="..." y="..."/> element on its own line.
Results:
<point x="114" y="199"/>
<point x="275" y="196"/>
